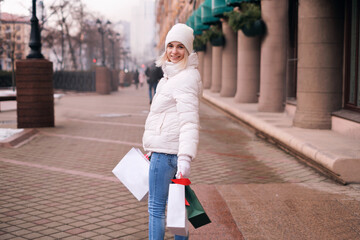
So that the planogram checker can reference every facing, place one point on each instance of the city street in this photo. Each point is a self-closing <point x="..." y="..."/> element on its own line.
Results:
<point x="59" y="184"/>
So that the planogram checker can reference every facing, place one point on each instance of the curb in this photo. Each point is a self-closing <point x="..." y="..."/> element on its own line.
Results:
<point x="19" y="139"/>
<point x="338" y="168"/>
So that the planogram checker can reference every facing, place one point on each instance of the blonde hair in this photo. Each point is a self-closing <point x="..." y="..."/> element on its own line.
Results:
<point x="163" y="58"/>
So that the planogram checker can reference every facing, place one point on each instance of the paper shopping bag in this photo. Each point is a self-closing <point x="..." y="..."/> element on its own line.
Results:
<point x="195" y="212"/>
<point x="133" y="172"/>
<point x="176" y="220"/>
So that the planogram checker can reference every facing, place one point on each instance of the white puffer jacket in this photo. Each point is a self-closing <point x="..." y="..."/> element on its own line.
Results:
<point x="172" y="125"/>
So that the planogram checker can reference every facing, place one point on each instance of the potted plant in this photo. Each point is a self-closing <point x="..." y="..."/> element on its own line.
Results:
<point x="199" y="43"/>
<point x="215" y="36"/>
<point x="248" y="19"/>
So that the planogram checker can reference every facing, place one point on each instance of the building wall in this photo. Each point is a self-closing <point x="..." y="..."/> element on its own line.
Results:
<point x="171" y="12"/>
<point x="14" y="35"/>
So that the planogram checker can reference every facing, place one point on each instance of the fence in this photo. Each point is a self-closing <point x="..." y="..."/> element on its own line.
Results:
<point x="5" y="79"/>
<point x="74" y="81"/>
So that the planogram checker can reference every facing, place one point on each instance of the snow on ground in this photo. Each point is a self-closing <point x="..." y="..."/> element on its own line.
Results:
<point x="8" y="132"/>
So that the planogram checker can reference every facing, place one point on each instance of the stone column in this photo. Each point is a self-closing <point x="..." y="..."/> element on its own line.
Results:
<point x="229" y="62"/>
<point x="216" y="68"/>
<point x="248" y="75"/>
<point x="207" y="67"/>
<point x="273" y="56"/>
<point x="34" y="93"/>
<point x="201" y="63"/>
<point x="320" y="52"/>
<point x="103" y="80"/>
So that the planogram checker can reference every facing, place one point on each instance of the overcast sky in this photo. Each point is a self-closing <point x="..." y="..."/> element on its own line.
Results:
<point x="114" y="10"/>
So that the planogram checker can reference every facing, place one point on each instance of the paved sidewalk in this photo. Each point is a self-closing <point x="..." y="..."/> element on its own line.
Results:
<point x="59" y="185"/>
<point x="333" y="153"/>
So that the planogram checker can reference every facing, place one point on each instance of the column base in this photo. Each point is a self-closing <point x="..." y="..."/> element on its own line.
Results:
<point x="35" y="94"/>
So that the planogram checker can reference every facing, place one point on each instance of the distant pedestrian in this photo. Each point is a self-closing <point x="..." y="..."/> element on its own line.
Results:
<point x="142" y="78"/>
<point x="154" y="75"/>
<point x="172" y="126"/>
<point x="136" y="78"/>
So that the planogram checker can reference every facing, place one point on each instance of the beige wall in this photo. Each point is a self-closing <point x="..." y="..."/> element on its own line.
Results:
<point x="15" y="34"/>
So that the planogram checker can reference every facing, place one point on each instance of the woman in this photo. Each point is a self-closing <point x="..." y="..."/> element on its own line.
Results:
<point x="172" y="126"/>
<point x="142" y="78"/>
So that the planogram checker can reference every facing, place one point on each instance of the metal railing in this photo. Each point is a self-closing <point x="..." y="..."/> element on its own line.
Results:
<point x="74" y="81"/>
<point x="5" y="79"/>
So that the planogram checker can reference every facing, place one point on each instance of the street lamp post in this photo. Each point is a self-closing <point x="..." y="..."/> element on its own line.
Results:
<point x="124" y="55"/>
<point x="102" y="30"/>
<point x="103" y="78"/>
<point x="113" y="38"/>
<point x="35" y="39"/>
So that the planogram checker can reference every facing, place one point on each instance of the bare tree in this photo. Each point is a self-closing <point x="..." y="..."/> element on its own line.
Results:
<point x="52" y="40"/>
<point x="71" y="33"/>
<point x="62" y="10"/>
<point x="9" y="44"/>
<point x="79" y="15"/>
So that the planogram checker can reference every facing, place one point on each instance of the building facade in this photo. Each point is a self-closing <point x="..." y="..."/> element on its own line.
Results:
<point x="14" y="36"/>
<point x="308" y="59"/>
<point x="302" y="61"/>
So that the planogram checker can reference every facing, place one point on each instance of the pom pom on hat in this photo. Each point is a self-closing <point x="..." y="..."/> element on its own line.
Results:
<point x="181" y="33"/>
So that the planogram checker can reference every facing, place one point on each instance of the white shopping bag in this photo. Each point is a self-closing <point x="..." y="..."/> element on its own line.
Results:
<point x="176" y="220"/>
<point x="133" y="172"/>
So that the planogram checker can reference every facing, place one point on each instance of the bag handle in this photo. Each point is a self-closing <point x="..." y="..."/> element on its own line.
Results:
<point x="182" y="181"/>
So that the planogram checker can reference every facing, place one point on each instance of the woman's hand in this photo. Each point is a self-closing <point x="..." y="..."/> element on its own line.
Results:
<point x="183" y="166"/>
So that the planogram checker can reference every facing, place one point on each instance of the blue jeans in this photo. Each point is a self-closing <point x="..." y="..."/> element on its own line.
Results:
<point x="152" y="87"/>
<point x="162" y="169"/>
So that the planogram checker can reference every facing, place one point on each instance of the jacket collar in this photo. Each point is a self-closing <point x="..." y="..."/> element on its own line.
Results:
<point x="170" y="69"/>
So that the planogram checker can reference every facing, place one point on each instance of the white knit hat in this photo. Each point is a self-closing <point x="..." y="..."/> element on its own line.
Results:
<point x="181" y="33"/>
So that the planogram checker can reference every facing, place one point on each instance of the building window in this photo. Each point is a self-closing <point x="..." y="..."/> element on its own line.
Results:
<point x="292" y="60"/>
<point x="352" y="81"/>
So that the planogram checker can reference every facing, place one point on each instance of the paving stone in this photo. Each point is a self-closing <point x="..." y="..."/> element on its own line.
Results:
<point x="60" y="235"/>
<point x="32" y="236"/>
<point x="46" y="238"/>
<point x="7" y="236"/>
<point x="73" y="238"/>
<point x="21" y="232"/>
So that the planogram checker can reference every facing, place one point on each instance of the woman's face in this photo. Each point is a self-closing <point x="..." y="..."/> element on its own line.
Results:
<point x="175" y="52"/>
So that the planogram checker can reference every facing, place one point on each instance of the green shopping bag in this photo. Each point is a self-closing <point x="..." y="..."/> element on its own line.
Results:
<point x="196" y="213"/>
